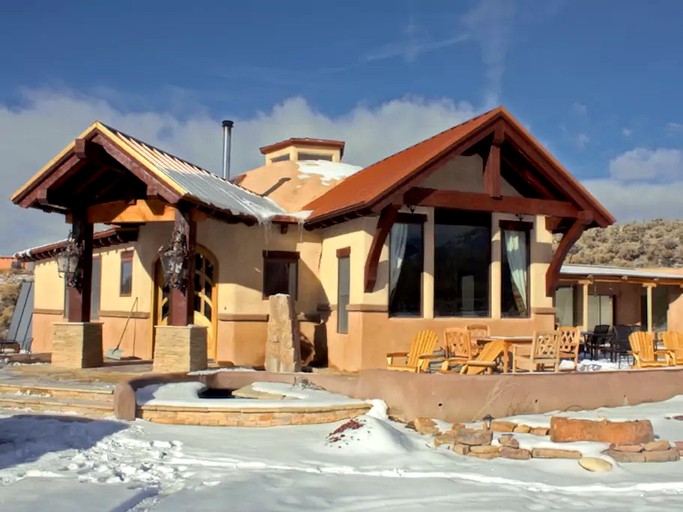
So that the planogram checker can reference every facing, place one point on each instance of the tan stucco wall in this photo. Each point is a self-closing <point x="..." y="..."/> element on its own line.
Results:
<point x="464" y="174"/>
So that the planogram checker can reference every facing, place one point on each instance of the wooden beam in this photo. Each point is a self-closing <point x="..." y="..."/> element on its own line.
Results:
<point x="527" y="175"/>
<point x="387" y="217"/>
<point x="71" y="164"/>
<point x="78" y="293"/>
<point x="181" y="300"/>
<point x="583" y="219"/>
<point x="484" y="202"/>
<point x="492" y="166"/>
<point x="122" y="212"/>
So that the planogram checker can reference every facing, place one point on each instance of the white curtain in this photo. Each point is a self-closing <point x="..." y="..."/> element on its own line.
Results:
<point x="515" y="248"/>
<point x="397" y="250"/>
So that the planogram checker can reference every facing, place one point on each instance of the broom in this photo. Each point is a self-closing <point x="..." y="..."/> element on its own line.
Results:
<point x="117" y="353"/>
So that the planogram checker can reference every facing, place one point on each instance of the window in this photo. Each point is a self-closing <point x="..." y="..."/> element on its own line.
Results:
<point x="313" y="156"/>
<point x="281" y="158"/>
<point x="564" y="304"/>
<point x="462" y="257"/>
<point x="515" y="269"/>
<point x="343" y="289"/>
<point x="96" y="288"/>
<point x="660" y="308"/>
<point x="126" y="279"/>
<point x="280" y="273"/>
<point x="406" y="259"/>
<point x="600" y="310"/>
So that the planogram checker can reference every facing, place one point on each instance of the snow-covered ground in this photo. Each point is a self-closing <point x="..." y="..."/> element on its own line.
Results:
<point x="66" y="463"/>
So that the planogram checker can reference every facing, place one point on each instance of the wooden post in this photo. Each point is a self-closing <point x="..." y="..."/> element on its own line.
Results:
<point x="181" y="301"/>
<point x="79" y="295"/>
<point x="492" y="166"/>
<point x="584" y="304"/>
<point x="649" y="287"/>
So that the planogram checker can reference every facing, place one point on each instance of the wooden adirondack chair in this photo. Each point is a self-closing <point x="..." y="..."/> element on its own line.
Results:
<point x="486" y="360"/>
<point x="458" y="348"/>
<point x="673" y="342"/>
<point x="543" y="353"/>
<point x="477" y="331"/>
<point x="419" y="355"/>
<point x="570" y="340"/>
<point x="644" y="353"/>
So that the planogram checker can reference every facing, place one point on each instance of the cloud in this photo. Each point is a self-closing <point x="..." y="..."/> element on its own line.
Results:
<point x="639" y="200"/>
<point x="581" y="141"/>
<point x="47" y="120"/>
<point x="647" y="164"/>
<point x="674" y="128"/>
<point x="580" y="109"/>
<point x="626" y="132"/>
<point x="491" y="24"/>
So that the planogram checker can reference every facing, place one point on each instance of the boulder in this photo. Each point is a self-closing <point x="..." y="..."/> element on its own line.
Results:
<point x="502" y="426"/>
<point x="485" y="448"/>
<point x="283" y="338"/>
<point x="626" y="457"/>
<point x="522" y="429"/>
<point x="508" y="440"/>
<point x="461" y="449"/>
<point x="425" y="426"/>
<point x="634" y="448"/>
<point x="567" y="430"/>
<point x="488" y="456"/>
<point x="671" y="455"/>
<point x="514" y="453"/>
<point x="554" y="453"/>
<point x="446" y="438"/>
<point x="657" y="446"/>
<point x="679" y="446"/>
<point x="472" y="437"/>
<point x="595" y="464"/>
<point x="538" y="431"/>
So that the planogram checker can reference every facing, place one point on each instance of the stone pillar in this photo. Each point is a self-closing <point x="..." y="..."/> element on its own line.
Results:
<point x="77" y="344"/>
<point x="282" y="345"/>
<point x="179" y="348"/>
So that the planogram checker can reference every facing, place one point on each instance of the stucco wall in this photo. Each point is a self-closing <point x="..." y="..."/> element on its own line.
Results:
<point x="464" y="174"/>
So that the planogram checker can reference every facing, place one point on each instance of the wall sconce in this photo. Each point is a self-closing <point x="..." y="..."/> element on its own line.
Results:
<point x="174" y="259"/>
<point x="67" y="262"/>
<point x="487" y="421"/>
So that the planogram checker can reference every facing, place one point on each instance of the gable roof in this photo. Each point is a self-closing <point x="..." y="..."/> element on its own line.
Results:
<point x="374" y="184"/>
<point x="189" y="181"/>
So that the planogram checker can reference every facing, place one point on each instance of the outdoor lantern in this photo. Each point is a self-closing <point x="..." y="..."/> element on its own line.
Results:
<point x="487" y="421"/>
<point x="67" y="261"/>
<point x="174" y="259"/>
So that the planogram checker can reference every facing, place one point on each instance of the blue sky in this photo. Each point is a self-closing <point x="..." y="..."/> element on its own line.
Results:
<point x="597" y="82"/>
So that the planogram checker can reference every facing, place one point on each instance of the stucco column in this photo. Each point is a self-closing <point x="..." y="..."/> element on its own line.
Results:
<point x="428" y="272"/>
<point x="584" y="304"/>
<point x="495" y="271"/>
<point x="649" y="287"/>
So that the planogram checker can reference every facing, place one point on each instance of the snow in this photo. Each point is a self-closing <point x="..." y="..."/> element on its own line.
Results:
<point x="70" y="463"/>
<point x="328" y="171"/>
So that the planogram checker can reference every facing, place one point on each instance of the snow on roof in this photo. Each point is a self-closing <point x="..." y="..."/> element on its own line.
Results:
<point x="328" y="171"/>
<point x="600" y="270"/>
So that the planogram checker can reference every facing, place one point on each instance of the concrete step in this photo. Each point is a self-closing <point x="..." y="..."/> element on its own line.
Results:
<point x="98" y="394"/>
<point x="51" y="404"/>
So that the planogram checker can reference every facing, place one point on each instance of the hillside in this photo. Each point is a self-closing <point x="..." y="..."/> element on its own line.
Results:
<point x="653" y="243"/>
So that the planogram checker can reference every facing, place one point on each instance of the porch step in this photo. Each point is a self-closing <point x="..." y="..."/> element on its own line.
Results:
<point x="98" y="394"/>
<point x="52" y="404"/>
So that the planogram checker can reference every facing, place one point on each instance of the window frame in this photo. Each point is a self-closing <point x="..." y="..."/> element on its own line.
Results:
<point x="526" y="228"/>
<point x="343" y="254"/>
<point x="127" y="257"/>
<point x="286" y="257"/>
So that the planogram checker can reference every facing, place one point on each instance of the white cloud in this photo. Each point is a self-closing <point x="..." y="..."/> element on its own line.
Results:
<point x="581" y="141"/>
<point x="674" y="128"/>
<point x="639" y="200"/>
<point x="626" y="132"/>
<point x="580" y="109"/>
<point x="647" y="164"/>
<point x="48" y="120"/>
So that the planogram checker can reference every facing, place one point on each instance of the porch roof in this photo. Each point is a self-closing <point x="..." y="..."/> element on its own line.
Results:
<point x="608" y="272"/>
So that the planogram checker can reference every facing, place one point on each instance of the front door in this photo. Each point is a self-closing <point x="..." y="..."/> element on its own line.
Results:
<point x="205" y="311"/>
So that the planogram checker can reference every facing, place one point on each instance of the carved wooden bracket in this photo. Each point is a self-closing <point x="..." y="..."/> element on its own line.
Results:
<point x="387" y="217"/>
<point x="583" y="219"/>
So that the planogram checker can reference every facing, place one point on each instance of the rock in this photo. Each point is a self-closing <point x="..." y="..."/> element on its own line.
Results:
<point x="626" y="447"/>
<point x="554" y="453"/>
<point x="486" y="448"/>
<point x="282" y="341"/>
<point x="445" y="438"/>
<point x="425" y="426"/>
<point x="539" y="431"/>
<point x="508" y="452"/>
<point x="508" y="440"/>
<point x="460" y="449"/>
<point x="657" y="446"/>
<point x="670" y="455"/>
<point x="626" y="457"/>
<point x="473" y="437"/>
<point x="679" y="446"/>
<point x="456" y="427"/>
<point x="502" y="426"/>
<point x="487" y="456"/>
<point x="595" y="464"/>
<point x="567" y="430"/>
<point x="522" y="429"/>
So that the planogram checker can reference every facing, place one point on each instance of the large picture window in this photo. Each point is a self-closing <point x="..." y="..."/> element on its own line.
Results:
<point x="462" y="257"/>
<point x="406" y="260"/>
<point x="515" y="269"/>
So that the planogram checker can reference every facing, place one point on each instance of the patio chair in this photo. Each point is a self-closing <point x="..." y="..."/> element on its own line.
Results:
<point x="477" y="332"/>
<point x="600" y="341"/>
<point x="418" y="356"/>
<point x="458" y="347"/>
<point x="570" y="340"/>
<point x="486" y="361"/>
<point x="543" y="353"/>
<point x="673" y="342"/>
<point x="620" y="345"/>
<point x="644" y="353"/>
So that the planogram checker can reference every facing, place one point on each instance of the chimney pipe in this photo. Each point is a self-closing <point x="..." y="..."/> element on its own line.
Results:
<point x="227" y="136"/>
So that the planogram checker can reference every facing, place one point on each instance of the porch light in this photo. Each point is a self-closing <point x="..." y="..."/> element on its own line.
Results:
<point x="67" y="262"/>
<point x="174" y="260"/>
<point x="487" y="421"/>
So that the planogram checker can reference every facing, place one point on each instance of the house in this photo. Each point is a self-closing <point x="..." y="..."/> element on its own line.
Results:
<point x="454" y="229"/>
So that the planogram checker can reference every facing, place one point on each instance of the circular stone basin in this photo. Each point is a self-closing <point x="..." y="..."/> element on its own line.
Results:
<point x="261" y="404"/>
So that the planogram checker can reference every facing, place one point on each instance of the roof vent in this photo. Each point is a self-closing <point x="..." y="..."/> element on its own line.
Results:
<point x="304" y="149"/>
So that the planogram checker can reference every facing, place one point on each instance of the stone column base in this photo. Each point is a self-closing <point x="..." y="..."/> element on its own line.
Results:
<point x="179" y="349"/>
<point x="77" y="344"/>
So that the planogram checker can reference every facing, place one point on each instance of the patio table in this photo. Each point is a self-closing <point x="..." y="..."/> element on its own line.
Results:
<point x="508" y="341"/>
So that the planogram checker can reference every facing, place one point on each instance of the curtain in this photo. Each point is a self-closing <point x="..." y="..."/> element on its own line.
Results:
<point x="397" y="250"/>
<point x="515" y="248"/>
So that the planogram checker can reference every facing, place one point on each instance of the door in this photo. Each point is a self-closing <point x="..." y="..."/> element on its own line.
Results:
<point x="205" y="297"/>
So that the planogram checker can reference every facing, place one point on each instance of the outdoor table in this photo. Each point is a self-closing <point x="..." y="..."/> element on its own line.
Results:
<point x="508" y="341"/>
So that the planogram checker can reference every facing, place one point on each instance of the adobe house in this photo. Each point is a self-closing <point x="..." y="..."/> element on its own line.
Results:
<point x="455" y="229"/>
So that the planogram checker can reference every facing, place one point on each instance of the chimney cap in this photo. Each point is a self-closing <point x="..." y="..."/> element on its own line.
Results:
<point x="227" y="123"/>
